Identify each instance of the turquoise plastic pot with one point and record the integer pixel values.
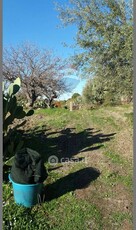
(26, 194)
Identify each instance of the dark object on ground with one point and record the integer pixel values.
(28, 167)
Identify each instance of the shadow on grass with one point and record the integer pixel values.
(77, 180)
(65, 143)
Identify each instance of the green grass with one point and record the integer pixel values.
(115, 158)
(111, 178)
(120, 217)
(130, 117)
(70, 210)
(102, 121)
(63, 213)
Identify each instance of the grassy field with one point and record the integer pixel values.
(91, 188)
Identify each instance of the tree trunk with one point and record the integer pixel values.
(31, 100)
(48, 102)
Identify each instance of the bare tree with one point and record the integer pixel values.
(40, 72)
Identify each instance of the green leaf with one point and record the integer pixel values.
(14, 87)
(8, 121)
(30, 112)
(20, 115)
(9, 161)
(19, 146)
(5, 108)
(11, 148)
(12, 104)
(17, 82)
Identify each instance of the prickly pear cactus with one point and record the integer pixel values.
(12, 111)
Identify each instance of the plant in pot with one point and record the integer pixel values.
(27, 176)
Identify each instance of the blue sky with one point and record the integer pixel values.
(36, 22)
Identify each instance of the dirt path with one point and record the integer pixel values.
(109, 192)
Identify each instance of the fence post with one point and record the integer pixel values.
(71, 105)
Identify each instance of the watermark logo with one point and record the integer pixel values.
(53, 160)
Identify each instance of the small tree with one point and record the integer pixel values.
(40, 72)
(75, 95)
